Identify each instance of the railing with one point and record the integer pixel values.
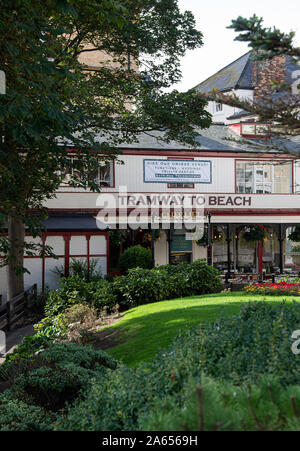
(14, 310)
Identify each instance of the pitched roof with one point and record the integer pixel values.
(217, 138)
(236, 75)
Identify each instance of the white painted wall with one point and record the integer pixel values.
(227, 111)
(161, 250)
(199, 251)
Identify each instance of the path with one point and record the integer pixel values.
(15, 337)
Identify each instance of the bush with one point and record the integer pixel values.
(80, 267)
(252, 349)
(257, 407)
(59, 375)
(135, 257)
(74, 290)
(16, 415)
(142, 286)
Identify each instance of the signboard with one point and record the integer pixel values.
(177, 171)
(180, 244)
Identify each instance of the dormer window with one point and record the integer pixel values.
(255, 130)
(218, 107)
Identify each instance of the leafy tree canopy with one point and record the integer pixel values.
(53, 102)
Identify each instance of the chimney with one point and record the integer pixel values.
(265, 72)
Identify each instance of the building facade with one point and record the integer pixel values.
(236, 178)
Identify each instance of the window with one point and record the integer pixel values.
(263, 177)
(181, 185)
(218, 107)
(255, 130)
(102, 175)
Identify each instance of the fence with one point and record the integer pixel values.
(14, 310)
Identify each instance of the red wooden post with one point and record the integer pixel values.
(67, 238)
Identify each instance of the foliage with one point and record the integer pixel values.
(16, 415)
(254, 233)
(295, 234)
(51, 103)
(27, 348)
(268, 41)
(135, 257)
(142, 286)
(82, 321)
(59, 375)
(248, 350)
(116, 237)
(80, 313)
(81, 268)
(219, 406)
(278, 103)
(74, 290)
(55, 328)
(280, 288)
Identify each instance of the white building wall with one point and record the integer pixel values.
(161, 250)
(227, 111)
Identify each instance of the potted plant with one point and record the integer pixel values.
(254, 233)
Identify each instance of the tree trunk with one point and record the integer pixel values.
(15, 275)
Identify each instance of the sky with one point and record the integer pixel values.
(219, 49)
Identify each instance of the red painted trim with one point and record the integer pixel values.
(205, 153)
(67, 238)
(260, 256)
(107, 252)
(44, 237)
(88, 237)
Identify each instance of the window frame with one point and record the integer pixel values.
(113, 181)
(263, 161)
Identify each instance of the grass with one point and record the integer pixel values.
(146, 329)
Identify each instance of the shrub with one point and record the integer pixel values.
(135, 257)
(80, 267)
(257, 407)
(74, 290)
(26, 349)
(81, 313)
(16, 415)
(59, 375)
(142, 286)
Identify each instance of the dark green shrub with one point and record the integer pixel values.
(58, 375)
(135, 257)
(257, 407)
(16, 415)
(143, 286)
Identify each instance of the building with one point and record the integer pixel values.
(238, 177)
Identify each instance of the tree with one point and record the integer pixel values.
(53, 102)
(282, 105)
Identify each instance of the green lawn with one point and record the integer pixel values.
(144, 330)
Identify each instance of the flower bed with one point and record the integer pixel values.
(280, 288)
